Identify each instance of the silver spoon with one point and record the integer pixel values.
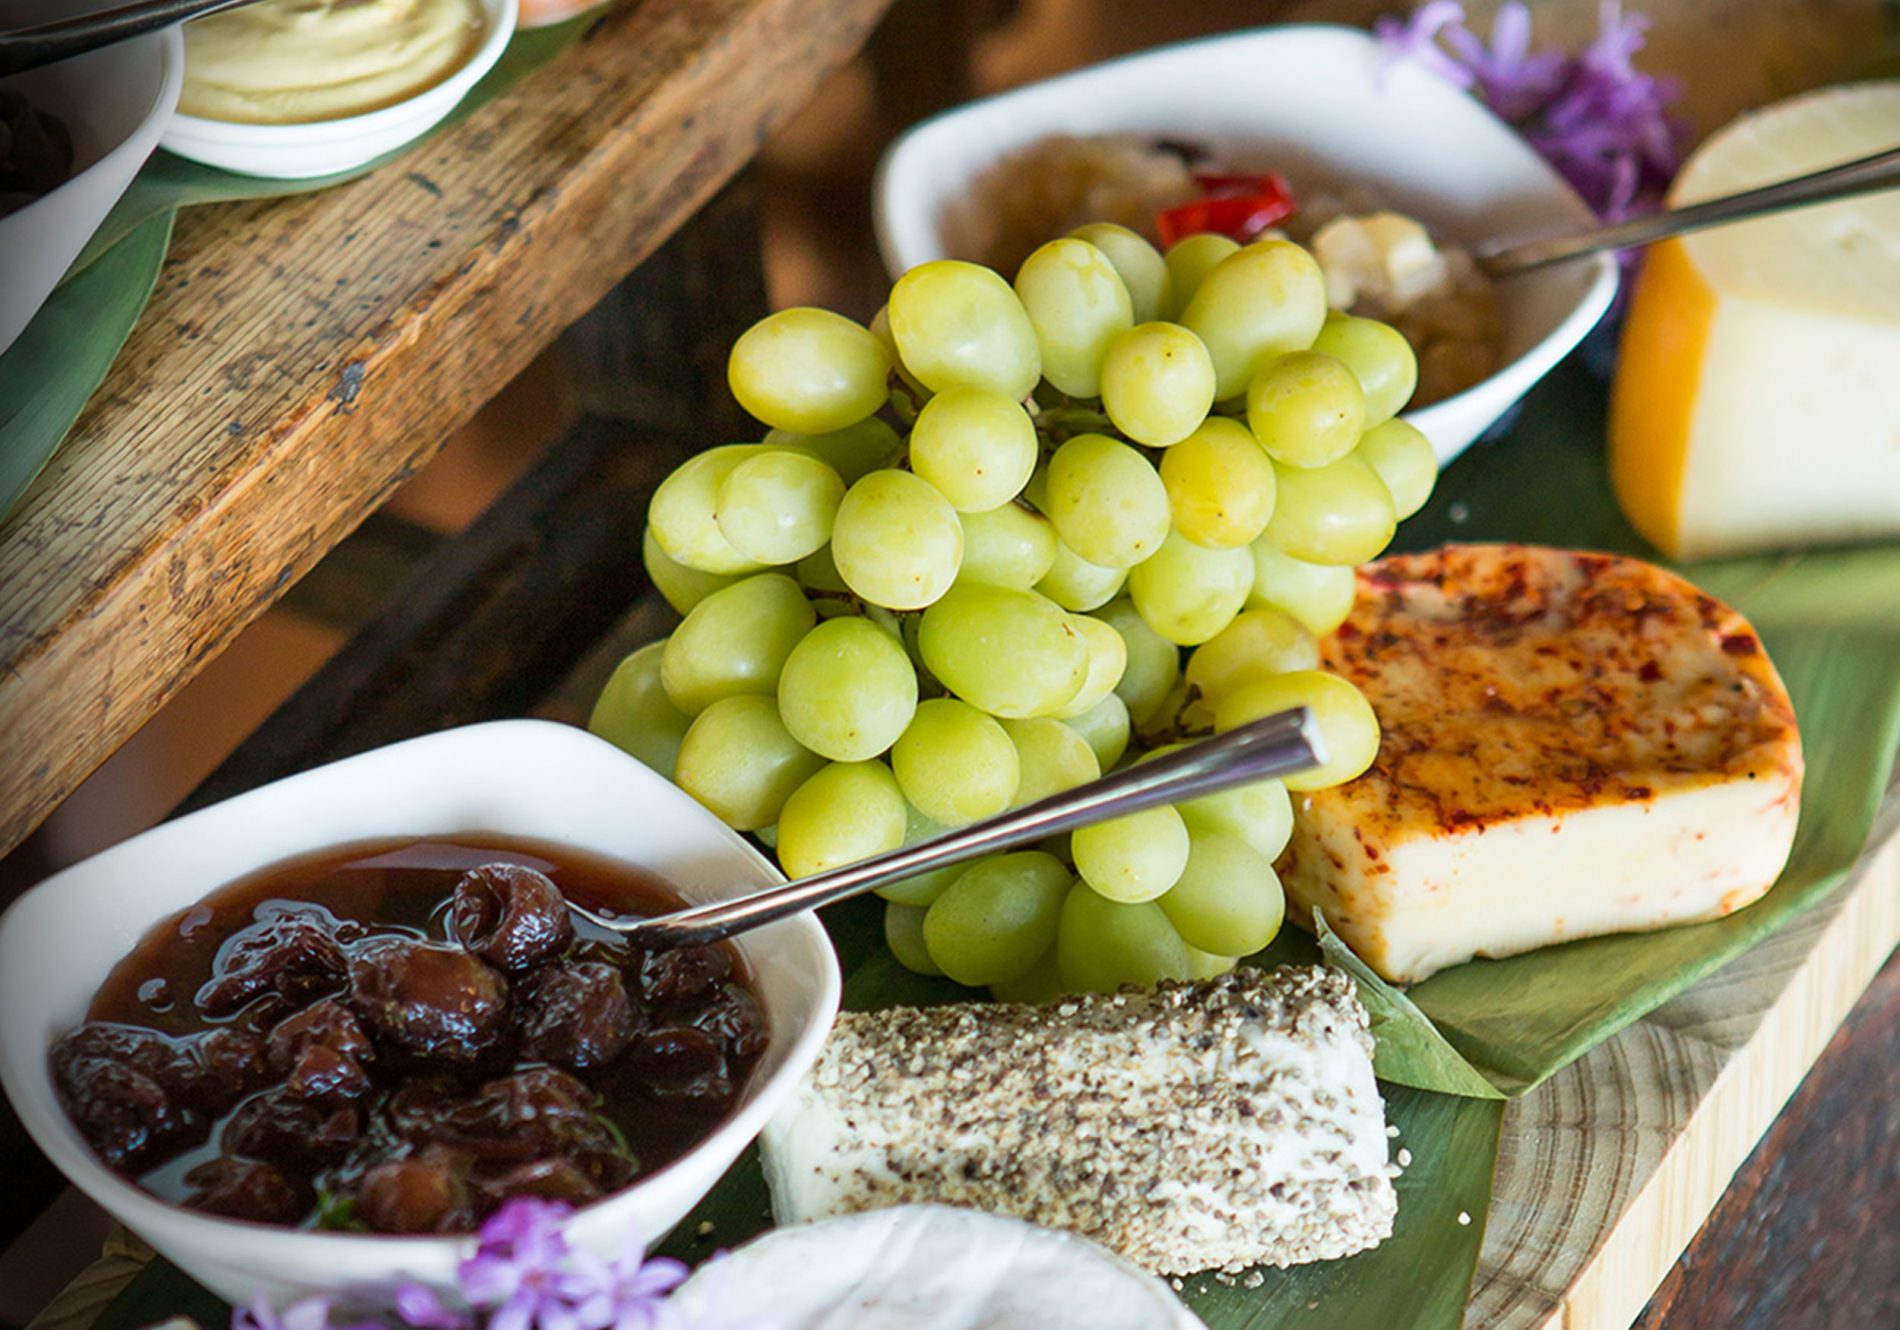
(1276, 745)
(63, 38)
(1866, 175)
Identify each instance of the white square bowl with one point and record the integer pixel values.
(1318, 104)
(115, 101)
(531, 779)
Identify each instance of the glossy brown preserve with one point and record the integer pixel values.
(399, 1035)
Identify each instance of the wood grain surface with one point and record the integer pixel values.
(1608, 1169)
(1807, 1237)
(302, 357)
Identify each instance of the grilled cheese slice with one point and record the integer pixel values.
(1572, 744)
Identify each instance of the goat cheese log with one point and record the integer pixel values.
(1212, 1125)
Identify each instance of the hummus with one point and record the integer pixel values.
(287, 62)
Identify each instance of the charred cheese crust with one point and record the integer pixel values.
(1521, 688)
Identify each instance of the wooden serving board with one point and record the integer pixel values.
(1608, 1169)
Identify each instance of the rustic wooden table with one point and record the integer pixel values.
(301, 358)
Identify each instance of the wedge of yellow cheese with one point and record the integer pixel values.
(1572, 744)
(1757, 396)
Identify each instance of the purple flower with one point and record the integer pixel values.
(1416, 39)
(626, 1293)
(308, 1314)
(419, 1306)
(516, 1273)
(1512, 80)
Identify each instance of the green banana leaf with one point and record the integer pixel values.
(61, 357)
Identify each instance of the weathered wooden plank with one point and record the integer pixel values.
(303, 357)
(1807, 1237)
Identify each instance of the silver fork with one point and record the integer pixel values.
(1276, 745)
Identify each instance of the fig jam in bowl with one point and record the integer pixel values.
(303, 1041)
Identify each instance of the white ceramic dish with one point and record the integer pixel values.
(1314, 103)
(325, 147)
(115, 102)
(520, 778)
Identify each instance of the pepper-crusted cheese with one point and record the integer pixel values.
(1572, 744)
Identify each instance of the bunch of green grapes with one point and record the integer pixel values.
(958, 573)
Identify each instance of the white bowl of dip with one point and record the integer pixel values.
(523, 779)
(1318, 104)
(275, 135)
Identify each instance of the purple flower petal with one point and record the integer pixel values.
(418, 1306)
(1415, 39)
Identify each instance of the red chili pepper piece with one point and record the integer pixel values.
(1240, 206)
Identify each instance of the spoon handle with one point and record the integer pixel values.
(1275, 745)
(63, 38)
(1865, 175)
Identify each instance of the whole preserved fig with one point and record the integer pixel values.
(423, 1193)
(327, 1024)
(575, 1015)
(291, 950)
(284, 1127)
(246, 1189)
(680, 976)
(512, 917)
(428, 1000)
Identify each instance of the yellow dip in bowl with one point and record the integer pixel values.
(286, 62)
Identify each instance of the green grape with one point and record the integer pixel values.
(777, 507)
(682, 587)
(1379, 357)
(1043, 983)
(1157, 383)
(1134, 857)
(927, 886)
(1105, 728)
(1306, 409)
(1264, 301)
(1012, 653)
(735, 641)
(1319, 595)
(633, 713)
(1007, 546)
(1189, 260)
(1051, 758)
(1143, 271)
(853, 452)
(1340, 513)
(958, 325)
(684, 513)
(977, 447)
(1102, 944)
(740, 761)
(1220, 485)
(1108, 657)
(999, 918)
(904, 935)
(881, 329)
(1206, 965)
(1187, 592)
(1348, 730)
(1154, 663)
(1228, 900)
(1106, 501)
(843, 813)
(847, 690)
(1405, 460)
(1256, 644)
(1076, 302)
(896, 541)
(808, 370)
(955, 764)
(1078, 585)
(818, 572)
(1260, 813)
